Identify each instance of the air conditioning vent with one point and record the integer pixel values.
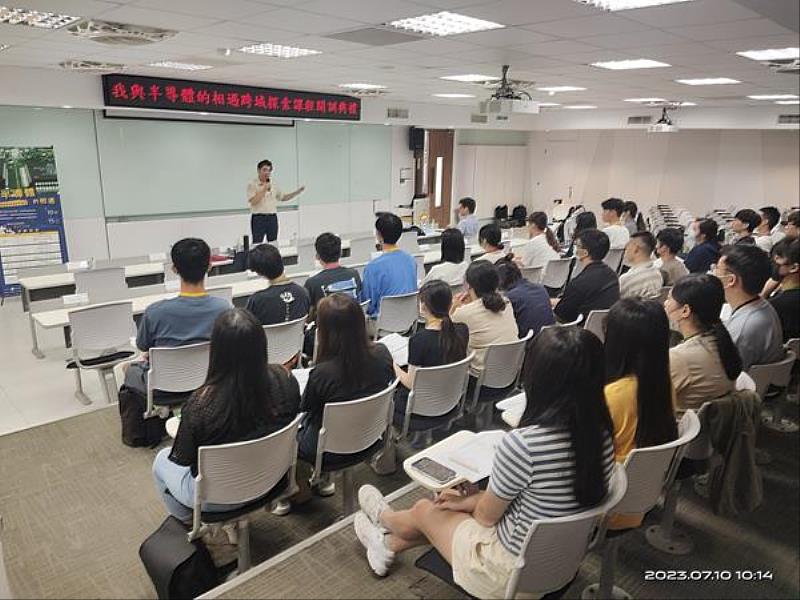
(642, 120)
(92, 66)
(789, 66)
(120, 34)
(476, 118)
(788, 119)
(368, 93)
(397, 113)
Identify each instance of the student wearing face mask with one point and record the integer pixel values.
(706, 364)
(786, 271)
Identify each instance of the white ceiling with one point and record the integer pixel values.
(548, 41)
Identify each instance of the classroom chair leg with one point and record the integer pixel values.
(243, 564)
(80, 395)
(348, 493)
(664, 536)
(606, 590)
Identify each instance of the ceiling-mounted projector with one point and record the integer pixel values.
(509, 98)
(664, 124)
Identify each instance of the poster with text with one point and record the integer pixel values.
(31, 223)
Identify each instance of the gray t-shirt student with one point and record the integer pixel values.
(174, 322)
(756, 330)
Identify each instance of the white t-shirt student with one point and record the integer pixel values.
(537, 252)
(449, 272)
(618, 236)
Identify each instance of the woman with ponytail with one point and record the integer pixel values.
(484, 311)
(441, 342)
(706, 364)
(543, 246)
(638, 388)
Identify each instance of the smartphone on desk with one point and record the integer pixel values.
(436, 471)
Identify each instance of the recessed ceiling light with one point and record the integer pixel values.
(645, 100)
(687, 103)
(33, 18)
(547, 104)
(362, 86)
(444, 23)
(787, 102)
(625, 65)
(580, 106)
(773, 97)
(170, 64)
(708, 81)
(471, 78)
(772, 54)
(613, 5)
(66, 106)
(561, 88)
(454, 95)
(277, 50)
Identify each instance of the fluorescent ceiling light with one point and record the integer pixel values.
(471, 78)
(362, 86)
(625, 65)
(276, 50)
(444, 23)
(454, 95)
(561, 88)
(580, 106)
(645, 100)
(33, 18)
(787, 102)
(169, 64)
(613, 5)
(547, 104)
(773, 97)
(708, 81)
(687, 103)
(772, 54)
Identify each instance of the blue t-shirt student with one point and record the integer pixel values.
(393, 272)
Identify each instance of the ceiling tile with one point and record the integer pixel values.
(555, 48)
(228, 10)
(302, 22)
(634, 39)
(509, 36)
(755, 43)
(699, 12)
(365, 11)
(244, 32)
(155, 18)
(76, 8)
(523, 12)
(603, 24)
(729, 31)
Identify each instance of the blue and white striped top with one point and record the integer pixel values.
(534, 468)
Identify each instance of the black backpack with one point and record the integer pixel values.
(177, 567)
(519, 215)
(136, 430)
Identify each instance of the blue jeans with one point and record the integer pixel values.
(175, 485)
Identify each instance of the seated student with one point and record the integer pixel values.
(754, 325)
(393, 272)
(668, 244)
(584, 220)
(484, 311)
(639, 391)
(468, 222)
(441, 342)
(348, 366)
(283, 300)
(706, 250)
(543, 246)
(558, 462)
(743, 225)
(530, 301)
(786, 270)
(453, 266)
(243, 398)
(187, 319)
(792, 232)
(768, 233)
(631, 218)
(594, 288)
(643, 279)
(333, 277)
(490, 239)
(618, 234)
(706, 364)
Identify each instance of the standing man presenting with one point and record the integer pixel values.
(263, 196)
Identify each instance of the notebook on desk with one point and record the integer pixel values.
(473, 459)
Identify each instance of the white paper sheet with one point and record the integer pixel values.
(473, 459)
(302, 378)
(398, 347)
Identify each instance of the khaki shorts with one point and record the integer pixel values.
(481, 564)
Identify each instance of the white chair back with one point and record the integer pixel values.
(224, 292)
(614, 258)
(577, 269)
(361, 248)
(398, 314)
(419, 259)
(793, 345)
(102, 285)
(353, 426)
(532, 274)
(179, 368)
(502, 362)
(554, 548)
(778, 374)
(408, 242)
(649, 469)
(519, 233)
(556, 272)
(596, 323)
(284, 340)
(306, 254)
(96, 329)
(245, 471)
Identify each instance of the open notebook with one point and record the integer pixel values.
(473, 459)
(398, 347)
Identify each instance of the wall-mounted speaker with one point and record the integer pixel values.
(416, 138)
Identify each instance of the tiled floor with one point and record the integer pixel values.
(35, 391)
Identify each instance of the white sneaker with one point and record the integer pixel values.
(372, 503)
(326, 487)
(380, 558)
(281, 508)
